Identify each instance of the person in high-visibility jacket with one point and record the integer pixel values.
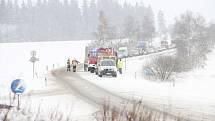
(120, 65)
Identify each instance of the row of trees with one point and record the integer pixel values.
(194, 39)
(66, 20)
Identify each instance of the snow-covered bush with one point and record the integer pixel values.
(28, 115)
(161, 68)
(131, 111)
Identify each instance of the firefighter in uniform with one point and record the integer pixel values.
(74, 64)
(68, 65)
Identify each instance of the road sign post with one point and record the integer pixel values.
(33, 59)
(18, 87)
(33, 68)
(18, 107)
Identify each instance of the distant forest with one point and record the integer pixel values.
(55, 20)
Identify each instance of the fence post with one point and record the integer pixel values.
(173, 82)
(10, 99)
(47, 68)
(46, 82)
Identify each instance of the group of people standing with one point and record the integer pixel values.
(72, 63)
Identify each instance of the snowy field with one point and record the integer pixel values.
(14, 59)
(14, 63)
(193, 92)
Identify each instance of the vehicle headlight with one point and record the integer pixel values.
(101, 68)
(115, 69)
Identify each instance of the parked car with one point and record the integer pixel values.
(133, 52)
(164, 44)
(150, 50)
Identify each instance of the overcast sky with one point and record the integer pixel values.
(173, 8)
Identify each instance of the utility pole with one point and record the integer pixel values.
(33, 68)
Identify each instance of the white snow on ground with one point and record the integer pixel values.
(52, 106)
(14, 63)
(14, 60)
(193, 92)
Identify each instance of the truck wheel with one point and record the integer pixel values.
(89, 69)
(100, 75)
(92, 70)
(85, 67)
(114, 75)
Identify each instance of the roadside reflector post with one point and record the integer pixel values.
(47, 68)
(135, 75)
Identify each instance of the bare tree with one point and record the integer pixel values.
(189, 34)
(162, 29)
(211, 35)
(148, 27)
(162, 67)
(130, 27)
(103, 33)
(130, 111)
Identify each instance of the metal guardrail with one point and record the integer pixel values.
(158, 51)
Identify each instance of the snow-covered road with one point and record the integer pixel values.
(94, 94)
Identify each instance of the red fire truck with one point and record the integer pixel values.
(94, 55)
(108, 54)
(90, 59)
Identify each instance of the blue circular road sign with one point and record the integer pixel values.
(17, 86)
